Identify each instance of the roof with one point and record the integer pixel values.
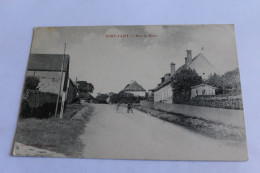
(134, 86)
(164, 83)
(48, 62)
(202, 85)
(74, 84)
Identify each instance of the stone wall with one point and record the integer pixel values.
(224, 102)
(226, 116)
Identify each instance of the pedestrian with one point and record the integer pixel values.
(117, 106)
(129, 108)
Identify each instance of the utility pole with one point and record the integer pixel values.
(61, 78)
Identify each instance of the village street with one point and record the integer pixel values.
(119, 135)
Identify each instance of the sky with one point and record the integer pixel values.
(111, 63)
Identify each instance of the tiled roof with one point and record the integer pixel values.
(48, 62)
(134, 86)
(166, 82)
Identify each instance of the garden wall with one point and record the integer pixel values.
(230, 102)
(226, 116)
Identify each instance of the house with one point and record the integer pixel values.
(199, 63)
(202, 89)
(47, 67)
(53, 73)
(163, 92)
(135, 88)
(73, 92)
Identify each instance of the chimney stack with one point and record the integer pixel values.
(172, 68)
(162, 79)
(189, 58)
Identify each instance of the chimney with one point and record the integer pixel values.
(163, 79)
(166, 76)
(172, 68)
(189, 58)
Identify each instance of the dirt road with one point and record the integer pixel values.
(119, 135)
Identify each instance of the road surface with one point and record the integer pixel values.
(119, 135)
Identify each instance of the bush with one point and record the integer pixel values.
(31, 83)
(38, 105)
(47, 110)
(182, 83)
(101, 98)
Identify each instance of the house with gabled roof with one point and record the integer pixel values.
(52, 70)
(134, 88)
(163, 92)
(48, 68)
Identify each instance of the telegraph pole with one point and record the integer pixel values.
(57, 103)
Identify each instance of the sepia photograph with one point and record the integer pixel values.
(155, 92)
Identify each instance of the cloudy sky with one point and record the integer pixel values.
(111, 63)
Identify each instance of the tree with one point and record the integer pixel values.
(225, 83)
(214, 80)
(85, 87)
(102, 98)
(183, 81)
(31, 83)
(231, 79)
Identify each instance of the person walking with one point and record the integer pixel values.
(117, 106)
(129, 108)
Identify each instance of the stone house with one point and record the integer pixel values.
(52, 70)
(134, 88)
(163, 92)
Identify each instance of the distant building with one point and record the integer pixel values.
(163, 92)
(202, 89)
(73, 92)
(135, 88)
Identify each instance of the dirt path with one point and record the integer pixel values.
(118, 135)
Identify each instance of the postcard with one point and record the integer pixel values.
(133, 92)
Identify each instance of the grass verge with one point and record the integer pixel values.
(208, 128)
(53, 134)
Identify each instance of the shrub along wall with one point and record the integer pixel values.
(222, 101)
(38, 104)
(230, 102)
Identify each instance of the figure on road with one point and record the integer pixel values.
(129, 108)
(117, 106)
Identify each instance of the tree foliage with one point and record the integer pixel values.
(101, 98)
(85, 87)
(184, 80)
(31, 83)
(229, 81)
(124, 97)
